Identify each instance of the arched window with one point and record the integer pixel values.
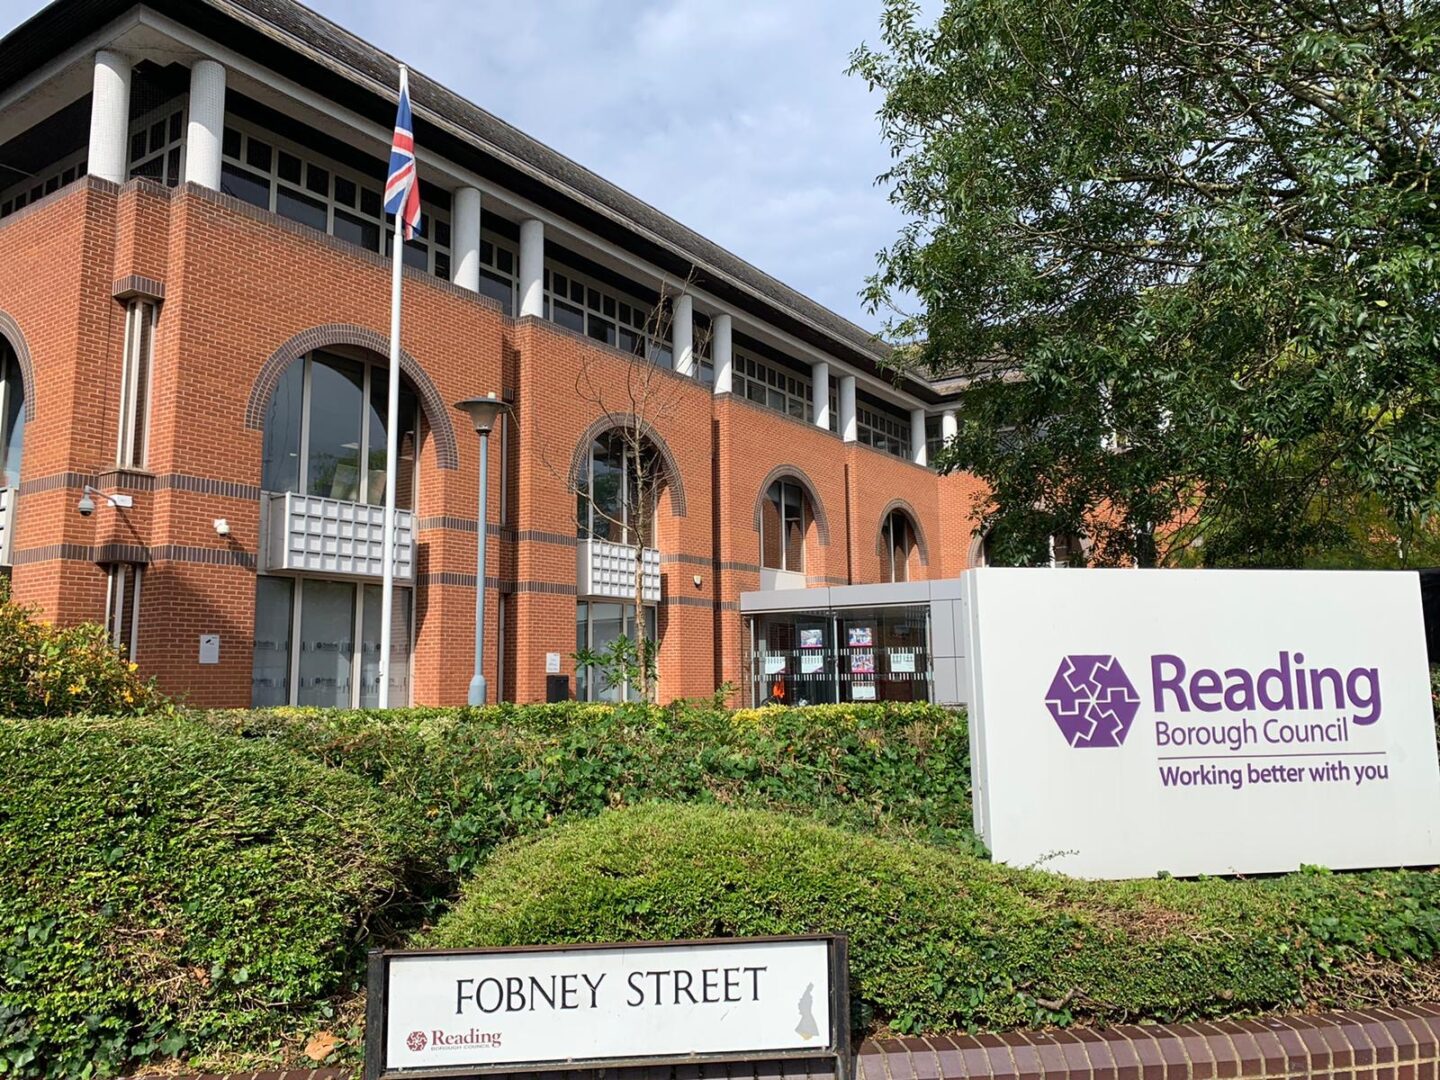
(325, 431)
(1062, 550)
(618, 490)
(899, 535)
(12, 416)
(317, 641)
(785, 519)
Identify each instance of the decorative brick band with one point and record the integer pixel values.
(909, 511)
(689, 560)
(10, 331)
(793, 472)
(1376, 1044)
(690, 601)
(318, 337)
(136, 553)
(579, 461)
(133, 480)
(138, 286)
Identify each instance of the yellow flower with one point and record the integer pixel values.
(76, 688)
(134, 666)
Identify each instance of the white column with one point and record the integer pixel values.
(820, 393)
(532, 268)
(918, 452)
(206, 129)
(722, 349)
(682, 334)
(110, 117)
(465, 239)
(949, 425)
(849, 432)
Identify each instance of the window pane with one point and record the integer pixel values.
(288, 167)
(301, 208)
(257, 154)
(601, 330)
(345, 191)
(245, 186)
(280, 455)
(582, 627)
(770, 529)
(607, 481)
(416, 255)
(318, 180)
(605, 627)
(378, 414)
(357, 230)
(336, 402)
(230, 143)
(327, 619)
(572, 318)
(794, 528)
(370, 649)
(500, 289)
(270, 668)
(12, 423)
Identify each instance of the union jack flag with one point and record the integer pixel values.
(402, 189)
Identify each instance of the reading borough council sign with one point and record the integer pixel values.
(464, 1012)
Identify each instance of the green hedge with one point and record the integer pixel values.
(941, 940)
(483, 776)
(164, 886)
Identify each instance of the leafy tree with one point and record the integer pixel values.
(1182, 257)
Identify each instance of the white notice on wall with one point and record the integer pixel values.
(774, 665)
(1127, 722)
(552, 663)
(588, 1004)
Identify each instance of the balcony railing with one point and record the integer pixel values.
(608, 570)
(8, 499)
(780, 579)
(309, 534)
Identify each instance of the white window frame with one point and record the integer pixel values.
(883, 431)
(66, 171)
(434, 222)
(587, 531)
(911, 539)
(172, 119)
(793, 389)
(595, 677)
(593, 303)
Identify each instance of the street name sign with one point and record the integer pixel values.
(1129, 722)
(465, 1012)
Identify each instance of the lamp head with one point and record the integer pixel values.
(482, 411)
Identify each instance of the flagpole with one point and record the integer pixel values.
(392, 452)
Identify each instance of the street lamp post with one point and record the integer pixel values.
(483, 412)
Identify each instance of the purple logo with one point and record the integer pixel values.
(1092, 701)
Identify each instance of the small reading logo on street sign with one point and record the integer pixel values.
(1092, 701)
(416, 1041)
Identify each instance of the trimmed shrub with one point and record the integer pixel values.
(48, 670)
(165, 887)
(941, 940)
(487, 775)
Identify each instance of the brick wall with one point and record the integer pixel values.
(241, 293)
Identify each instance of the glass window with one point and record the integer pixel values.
(301, 208)
(333, 616)
(270, 663)
(327, 614)
(122, 607)
(370, 647)
(280, 453)
(883, 430)
(609, 500)
(332, 465)
(335, 408)
(12, 416)
(357, 230)
(899, 539)
(597, 625)
(785, 520)
(135, 383)
(245, 186)
(156, 155)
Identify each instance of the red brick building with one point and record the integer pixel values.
(194, 308)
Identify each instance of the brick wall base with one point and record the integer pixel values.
(1374, 1044)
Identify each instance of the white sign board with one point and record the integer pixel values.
(1127, 722)
(536, 1008)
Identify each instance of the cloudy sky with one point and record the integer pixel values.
(734, 116)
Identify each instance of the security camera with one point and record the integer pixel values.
(86, 505)
(222, 527)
